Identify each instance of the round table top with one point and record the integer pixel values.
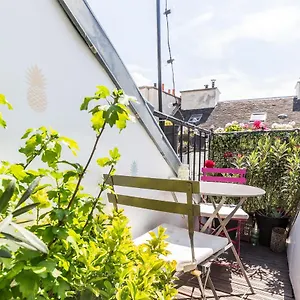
(229, 189)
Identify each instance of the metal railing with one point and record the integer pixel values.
(191, 143)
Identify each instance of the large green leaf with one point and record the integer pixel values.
(24, 209)
(4, 254)
(3, 101)
(30, 238)
(5, 223)
(29, 191)
(6, 196)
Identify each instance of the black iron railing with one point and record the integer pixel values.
(191, 143)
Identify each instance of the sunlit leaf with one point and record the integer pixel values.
(7, 195)
(29, 191)
(102, 91)
(98, 120)
(102, 162)
(24, 209)
(31, 238)
(3, 101)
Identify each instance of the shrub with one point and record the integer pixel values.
(91, 255)
(272, 160)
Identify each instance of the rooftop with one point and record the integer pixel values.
(241, 110)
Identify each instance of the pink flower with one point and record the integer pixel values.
(257, 124)
(246, 126)
(240, 155)
(228, 154)
(209, 163)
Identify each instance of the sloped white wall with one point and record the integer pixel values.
(38, 33)
(294, 257)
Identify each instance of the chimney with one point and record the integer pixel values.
(213, 83)
(173, 92)
(169, 91)
(163, 86)
(206, 86)
(155, 85)
(297, 87)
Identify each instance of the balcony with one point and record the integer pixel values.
(268, 272)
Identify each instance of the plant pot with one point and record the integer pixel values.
(278, 239)
(266, 224)
(172, 135)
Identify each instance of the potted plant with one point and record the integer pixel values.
(273, 166)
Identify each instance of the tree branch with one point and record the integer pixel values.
(97, 199)
(85, 168)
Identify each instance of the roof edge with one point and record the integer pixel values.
(85, 22)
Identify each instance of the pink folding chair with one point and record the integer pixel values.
(226, 175)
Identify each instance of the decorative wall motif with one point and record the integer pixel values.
(134, 169)
(36, 93)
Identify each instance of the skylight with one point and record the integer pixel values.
(260, 116)
(195, 118)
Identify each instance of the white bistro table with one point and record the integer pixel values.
(225, 190)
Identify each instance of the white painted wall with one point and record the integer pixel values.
(151, 94)
(196, 99)
(294, 257)
(39, 33)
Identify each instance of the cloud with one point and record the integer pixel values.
(237, 85)
(189, 26)
(276, 25)
(138, 74)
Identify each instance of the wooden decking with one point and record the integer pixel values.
(268, 272)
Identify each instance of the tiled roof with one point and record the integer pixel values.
(241, 110)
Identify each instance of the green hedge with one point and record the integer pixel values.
(272, 160)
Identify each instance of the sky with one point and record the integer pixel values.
(251, 47)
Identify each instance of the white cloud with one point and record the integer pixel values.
(237, 85)
(276, 25)
(189, 26)
(138, 74)
(140, 79)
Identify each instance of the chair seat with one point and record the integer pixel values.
(207, 209)
(179, 245)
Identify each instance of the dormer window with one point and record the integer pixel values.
(195, 118)
(260, 116)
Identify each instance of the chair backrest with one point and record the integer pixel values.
(241, 179)
(171, 185)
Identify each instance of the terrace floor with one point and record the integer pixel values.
(268, 273)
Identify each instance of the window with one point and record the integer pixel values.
(258, 117)
(195, 118)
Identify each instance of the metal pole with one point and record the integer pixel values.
(159, 61)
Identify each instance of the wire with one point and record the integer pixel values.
(171, 59)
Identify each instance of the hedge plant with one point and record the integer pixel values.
(272, 160)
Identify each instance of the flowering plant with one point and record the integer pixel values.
(289, 125)
(209, 163)
(236, 126)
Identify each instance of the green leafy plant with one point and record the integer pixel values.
(3, 101)
(91, 254)
(272, 162)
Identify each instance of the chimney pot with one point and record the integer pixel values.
(213, 82)
(163, 86)
(169, 91)
(155, 84)
(206, 86)
(173, 92)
